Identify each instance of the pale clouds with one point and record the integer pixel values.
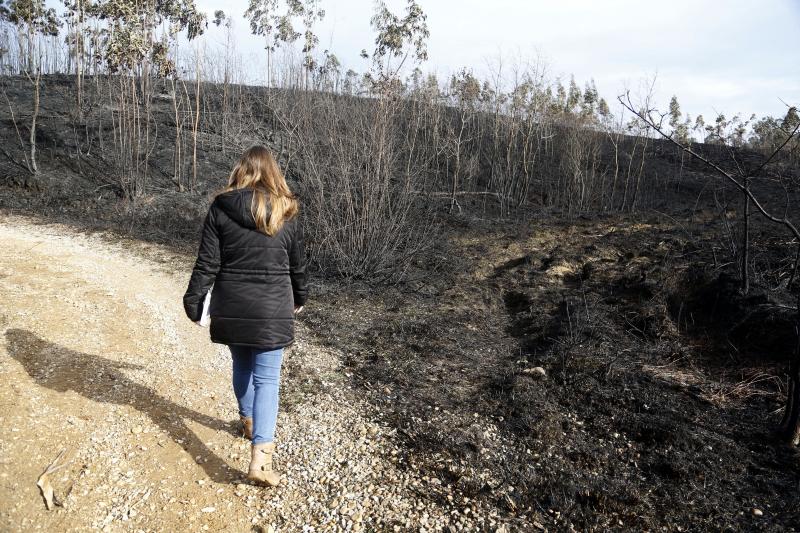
(732, 56)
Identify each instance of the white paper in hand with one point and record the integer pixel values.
(205, 320)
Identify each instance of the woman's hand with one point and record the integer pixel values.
(298, 309)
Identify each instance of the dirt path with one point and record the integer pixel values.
(97, 359)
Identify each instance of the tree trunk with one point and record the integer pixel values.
(790, 425)
(36, 88)
(269, 66)
(639, 174)
(746, 241)
(79, 60)
(178, 156)
(196, 124)
(453, 201)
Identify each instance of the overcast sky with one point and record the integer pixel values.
(716, 56)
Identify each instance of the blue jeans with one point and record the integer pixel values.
(256, 380)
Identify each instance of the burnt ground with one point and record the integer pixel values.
(662, 385)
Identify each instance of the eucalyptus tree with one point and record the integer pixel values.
(640, 131)
(766, 133)
(738, 129)
(613, 127)
(34, 20)
(680, 129)
(274, 20)
(464, 92)
(355, 155)
(589, 101)
(730, 134)
(329, 72)
(398, 38)
(573, 97)
(559, 101)
(422, 128)
(262, 14)
(76, 14)
(603, 110)
(134, 53)
(223, 20)
(5, 42)
(310, 12)
(535, 129)
(790, 120)
(351, 85)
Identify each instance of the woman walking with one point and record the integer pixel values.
(251, 251)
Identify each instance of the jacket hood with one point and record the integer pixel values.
(236, 204)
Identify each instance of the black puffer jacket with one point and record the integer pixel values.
(257, 279)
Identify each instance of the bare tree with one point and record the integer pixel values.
(76, 16)
(35, 21)
(135, 54)
(310, 12)
(790, 425)
(464, 91)
(398, 38)
(273, 20)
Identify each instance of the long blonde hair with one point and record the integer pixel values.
(258, 170)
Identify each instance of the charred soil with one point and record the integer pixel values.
(599, 373)
(595, 372)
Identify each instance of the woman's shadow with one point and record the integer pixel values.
(103, 380)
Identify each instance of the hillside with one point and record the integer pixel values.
(534, 370)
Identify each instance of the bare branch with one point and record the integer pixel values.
(657, 127)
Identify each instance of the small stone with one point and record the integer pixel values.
(536, 372)
(757, 512)
(136, 430)
(208, 509)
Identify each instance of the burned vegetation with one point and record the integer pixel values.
(601, 373)
(583, 318)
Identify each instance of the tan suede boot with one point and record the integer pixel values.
(261, 465)
(247, 427)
